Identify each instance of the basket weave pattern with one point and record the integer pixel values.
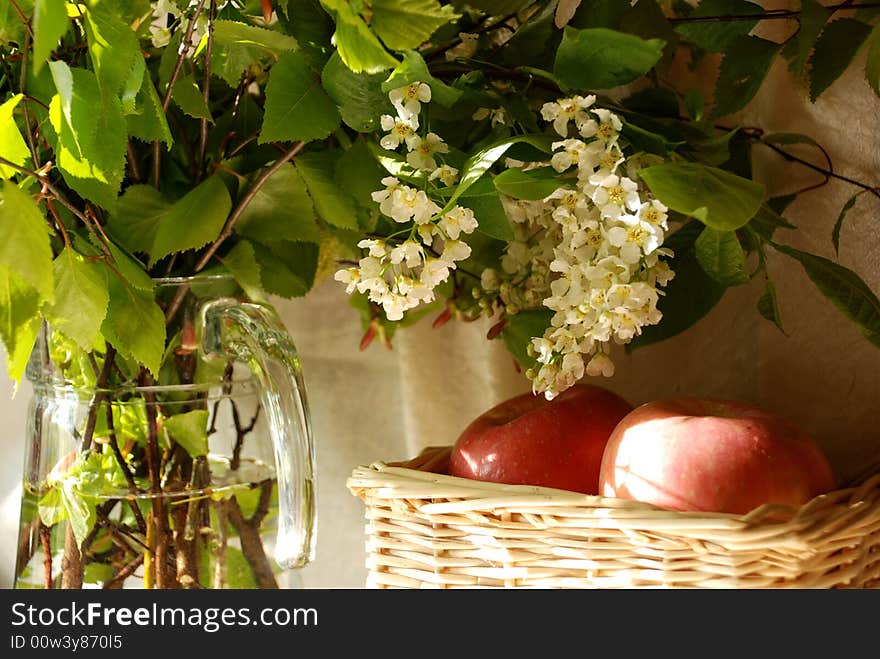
(428, 530)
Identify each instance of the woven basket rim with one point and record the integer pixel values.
(397, 482)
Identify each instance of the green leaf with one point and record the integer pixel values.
(135, 325)
(193, 221)
(767, 306)
(239, 573)
(480, 162)
(645, 140)
(145, 222)
(721, 256)
(115, 55)
(80, 512)
(495, 7)
(872, 62)
(332, 204)
(25, 245)
(780, 203)
(242, 263)
(844, 288)
(717, 198)
(287, 269)
(12, 145)
(717, 36)
(189, 98)
(713, 151)
(281, 210)
(190, 430)
(134, 221)
(92, 138)
(51, 507)
(535, 41)
(359, 96)
(312, 27)
(811, 20)
(533, 184)
(519, 330)
(688, 297)
(98, 573)
(297, 107)
(12, 28)
(766, 221)
(148, 123)
(81, 298)
(131, 270)
(19, 320)
(358, 173)
(599, 58)
(49, 25)
(743, 69)
(836, 47)
(413, 69)
(238, 46)
(835, 233)
(404, 24)
(792, 138)
(482, 198)
(355, 42)
(598, 13)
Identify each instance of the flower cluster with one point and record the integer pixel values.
(167, 13)
(400, 274)
(608, 263)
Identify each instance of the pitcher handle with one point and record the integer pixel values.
(254, 334)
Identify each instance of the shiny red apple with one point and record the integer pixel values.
(528, 440)
(712, 455)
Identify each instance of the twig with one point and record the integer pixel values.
(41, 176)
(206, 91)
(770, 14)
(71, 562)
(22, 83)
(132, 486)
(98, 398)
(133, 164)
(185, 44)
(249, 535)
(174, 306)
(46, 538)
(241, 432)
(24, 19)
(125, 572)
(483, 29)
(874, 190)
(219, 577)
(157, 529)
(59, 225)
(245, 201)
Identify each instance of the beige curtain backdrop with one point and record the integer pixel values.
(384, 405)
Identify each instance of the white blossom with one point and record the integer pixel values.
(600, 364)
(566, 110)
(457, 221)
(409, 98)
(614, 194)
(447, 174)
(401, 131)
(606, 129)
(498, 116)
(422, 150)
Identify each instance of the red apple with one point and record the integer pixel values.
(712, 455)
(528, 440)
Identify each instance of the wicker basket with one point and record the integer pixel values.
(430, 530)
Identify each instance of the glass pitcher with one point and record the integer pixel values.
(200, 476)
